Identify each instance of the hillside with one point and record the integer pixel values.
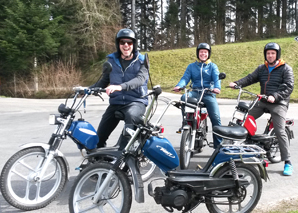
(236, 60)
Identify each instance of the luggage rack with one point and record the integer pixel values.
(243, 150)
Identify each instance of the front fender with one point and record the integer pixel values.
(46, 148)
(137, 179)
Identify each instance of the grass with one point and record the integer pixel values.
(236, 60)
(289, 205)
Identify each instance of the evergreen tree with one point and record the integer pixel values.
(29, 33)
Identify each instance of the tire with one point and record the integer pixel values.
(274, 155)
(87, 183)
(185, 149)
(146, 167)
(19, 188)
(251, 192)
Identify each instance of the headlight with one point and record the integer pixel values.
(53, 119)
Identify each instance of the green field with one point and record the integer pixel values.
(236, 60)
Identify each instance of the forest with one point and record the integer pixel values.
(51, 43)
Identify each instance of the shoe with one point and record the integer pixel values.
(179, 131)
(288, 170)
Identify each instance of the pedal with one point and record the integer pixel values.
(210, 144)
(178, 132)
(199, 167)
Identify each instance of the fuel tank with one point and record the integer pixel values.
(160, 151)
(84, 134)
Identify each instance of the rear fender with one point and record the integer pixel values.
(46, 148)
(262, 169)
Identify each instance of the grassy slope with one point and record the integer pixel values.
(236, 60)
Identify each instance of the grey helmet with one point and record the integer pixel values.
(272, 46)
(204, 46)
(126, 33)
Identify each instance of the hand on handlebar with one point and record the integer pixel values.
(177, 89)
(113, 88)
(271, 99)
(233, 85)
(216, 90)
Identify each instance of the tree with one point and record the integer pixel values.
(29, 33)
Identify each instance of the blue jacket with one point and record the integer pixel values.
(133, 80)
(201, 75)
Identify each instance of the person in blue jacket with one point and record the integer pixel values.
(125, 84)
(204, 74)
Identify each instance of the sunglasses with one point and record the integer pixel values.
(123, 42)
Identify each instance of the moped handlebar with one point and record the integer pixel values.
(258, 96)
(88, 90)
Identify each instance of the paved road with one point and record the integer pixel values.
(26, 120)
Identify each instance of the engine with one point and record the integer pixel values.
(176, 198)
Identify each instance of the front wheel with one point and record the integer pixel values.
(117, 197)
(185, 149)
(248, 197)
(21, 185)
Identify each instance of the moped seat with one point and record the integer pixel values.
(244, 106)
(194, 101)
(262, 137)
(230, 132)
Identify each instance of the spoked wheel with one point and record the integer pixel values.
(185, 149)
(20, 183)
(117, 197)
(248, 196)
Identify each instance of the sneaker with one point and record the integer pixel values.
(288, 170)
(179, 130)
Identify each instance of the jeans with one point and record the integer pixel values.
(132, 112)
(213, 111)
(278, 113)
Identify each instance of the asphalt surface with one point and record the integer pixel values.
(26, 121)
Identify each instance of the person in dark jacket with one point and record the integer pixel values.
(277, 82)
(126, 84)
(204, 74)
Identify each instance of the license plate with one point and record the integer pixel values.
(239, 115)
(189, 110)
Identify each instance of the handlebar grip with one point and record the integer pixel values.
(98, 89)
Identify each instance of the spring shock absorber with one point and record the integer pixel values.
(234, 172)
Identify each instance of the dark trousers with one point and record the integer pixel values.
(132, 113)
(278, 113)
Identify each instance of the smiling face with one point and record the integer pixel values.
(126, 47)
(203, 55)
(271, 56)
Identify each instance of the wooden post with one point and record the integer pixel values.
(35, 76)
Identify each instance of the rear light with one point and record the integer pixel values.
(265, 163)
(162, 129)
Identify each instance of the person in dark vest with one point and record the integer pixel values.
(277, 82)
(125, 84)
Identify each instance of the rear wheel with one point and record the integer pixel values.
(185, 149)
(274, 155)
(248, 196)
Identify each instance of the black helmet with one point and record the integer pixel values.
(126, 33)
(272, 46)
(204, 46)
